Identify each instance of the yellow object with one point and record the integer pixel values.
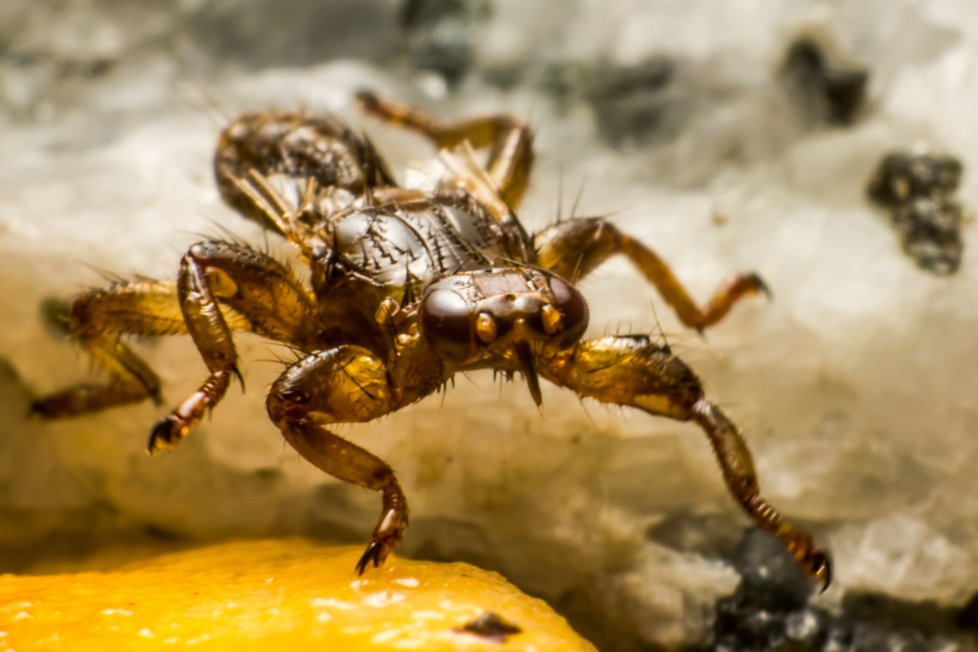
(276, 595)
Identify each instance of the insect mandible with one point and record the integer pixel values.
(407, 286)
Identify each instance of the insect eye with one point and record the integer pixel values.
(446, 322)
(571, 306)
(485, 328)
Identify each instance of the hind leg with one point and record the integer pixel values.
(96, 320)
(510, 141)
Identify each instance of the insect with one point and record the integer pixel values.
(407, 286)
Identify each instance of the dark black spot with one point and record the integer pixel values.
(967, 617)
(491, 627)
(827, 89)
(917, 188)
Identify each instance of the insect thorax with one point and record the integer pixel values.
(402, 247)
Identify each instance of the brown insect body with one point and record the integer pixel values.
(408, 286)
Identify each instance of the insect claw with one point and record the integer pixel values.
(820, 564)
(492, 296)
(237, 374)
(167, 432)
(366, 100)
(35, 410)
(373, 552)
(762, 287)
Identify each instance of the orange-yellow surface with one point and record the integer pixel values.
(272, 595)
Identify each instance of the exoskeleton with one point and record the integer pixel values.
(408, 286)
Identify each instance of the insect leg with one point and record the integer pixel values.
(510, 141)
(342, 385)
(259, 290)
(96, 320)
(573, 248)
(288, 171)
(631, 370)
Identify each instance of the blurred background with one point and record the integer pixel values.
(729, 137)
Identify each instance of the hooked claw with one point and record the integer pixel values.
(375, 552)
(386, 535)
(166, 434)
(760, 286)
(237, 374)
(816, 562)
(819, 567)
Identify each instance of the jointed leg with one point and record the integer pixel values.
(257, 195)
(573, 248)
(510, 141)
(287, 170)
(738, 472)
(96, 320)
(217, 279)
(344, 384)
(633, 371)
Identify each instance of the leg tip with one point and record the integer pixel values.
(819, 568)
(762, 287)
(166, 434)
(366, 100)
(36, 410)
(375, 552)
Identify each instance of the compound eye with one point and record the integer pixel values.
(571, 305)
(446, 322)
(485, 328)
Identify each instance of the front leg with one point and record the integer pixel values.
(631, 370)
(342, 385)
(260, 291)
(573, 248)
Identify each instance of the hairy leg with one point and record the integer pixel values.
(260, 291)
(510, 141)
(573, 248)
(633, 371)
(342, 385)
(96, 320)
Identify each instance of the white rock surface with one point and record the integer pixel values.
(855, 386)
